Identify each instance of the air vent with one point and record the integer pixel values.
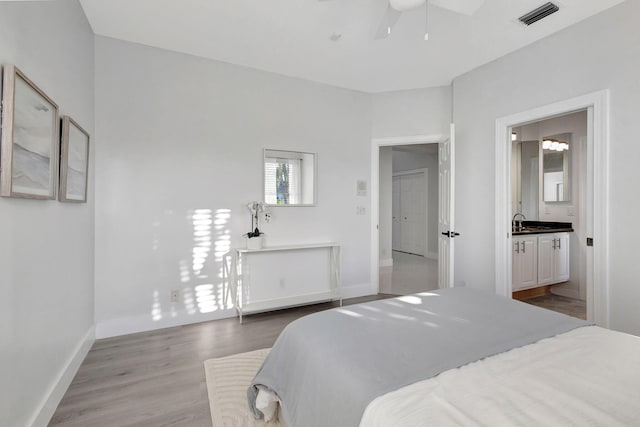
(539, 13)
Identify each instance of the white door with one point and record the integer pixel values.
(395, 214)
(417, 213)
(409, 216)
(406, 231)
(446, 172)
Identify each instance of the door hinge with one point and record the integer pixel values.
(589, 241)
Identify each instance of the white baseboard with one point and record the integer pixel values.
(354, 291)
(386, 262)
(144, 322)
(57, 390)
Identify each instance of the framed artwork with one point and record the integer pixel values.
(74, 162)
(30, 139)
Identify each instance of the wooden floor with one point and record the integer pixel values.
(569, 306)
(157, 378)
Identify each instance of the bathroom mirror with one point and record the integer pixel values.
(555, 168)
(525, 179)
(289, 178)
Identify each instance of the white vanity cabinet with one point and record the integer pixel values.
(540, 260)
(553, 258)
(525, 262)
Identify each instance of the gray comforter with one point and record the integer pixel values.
(328, 366)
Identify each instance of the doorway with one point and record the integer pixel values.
(410, 250)
(548, 189)
(596, 219)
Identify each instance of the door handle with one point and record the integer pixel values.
(450, 234)
(517, 247)
(559, 245)
(524, 250)
(554, 244)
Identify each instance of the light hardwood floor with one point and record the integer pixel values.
(569, 306)
(409, 274)
(157, 378)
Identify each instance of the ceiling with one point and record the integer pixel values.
(293, 37)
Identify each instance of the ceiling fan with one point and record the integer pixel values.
(395, 8)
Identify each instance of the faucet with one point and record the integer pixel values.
(517, 224)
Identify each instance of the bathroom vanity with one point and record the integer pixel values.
(540, 254)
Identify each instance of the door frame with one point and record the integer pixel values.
(597, 106)
(376, 143)
(425, 172)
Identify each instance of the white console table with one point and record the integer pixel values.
(288, 280)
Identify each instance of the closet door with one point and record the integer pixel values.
(409, 213)
(415, 216)
(395, 214)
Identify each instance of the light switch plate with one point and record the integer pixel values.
(361, 187)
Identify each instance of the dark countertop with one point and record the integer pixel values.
(543, 227)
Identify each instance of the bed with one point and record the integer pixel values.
(449, 357)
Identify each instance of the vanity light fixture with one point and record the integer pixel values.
(554, 145)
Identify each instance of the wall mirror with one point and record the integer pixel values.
(525, 179)
(289, 178)
(555, 168)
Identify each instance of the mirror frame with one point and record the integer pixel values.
(315, 178)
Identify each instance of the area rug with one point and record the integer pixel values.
(227, 381)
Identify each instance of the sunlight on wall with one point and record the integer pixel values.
(156, 309)
(201, 289)
(205, 298)
(189, 300)
(201, 238)
(222, 245)
(209, 229)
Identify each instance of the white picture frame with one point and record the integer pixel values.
(29, 144)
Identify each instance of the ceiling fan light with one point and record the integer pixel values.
(404, 5)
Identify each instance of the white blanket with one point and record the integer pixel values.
(586, 377)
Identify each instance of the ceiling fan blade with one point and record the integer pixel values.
(388, 21)
(465, 7)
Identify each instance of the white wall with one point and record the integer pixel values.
(411, 160)
(180, 135)
(411, 112)
(46, 247)
(599, 53)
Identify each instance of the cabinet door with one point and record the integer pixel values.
(561, 273)
(525, 257)
(546, 258)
